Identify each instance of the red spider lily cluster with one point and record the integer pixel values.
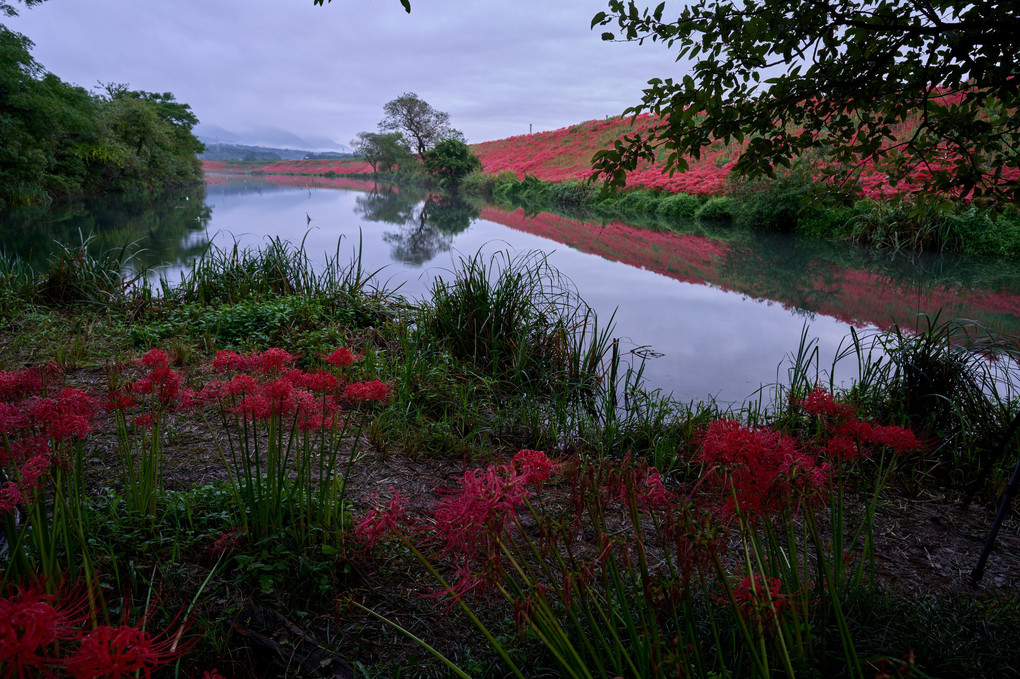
(759, 599)
(265, 384)
(45, 635)
(37, 431)
(759, 473)
(472, 520)
(846, 437)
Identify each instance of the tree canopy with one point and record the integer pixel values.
(927, 90)
(450, 161)
(60, 139)
(382, 150)
(423, 125)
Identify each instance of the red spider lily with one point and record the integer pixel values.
(10, 499)
(855, 430)
(320, 382)
(68, 415)
(32, 626)
(145, 421)
(272, 361)
(653, 494)
(20, 384)
(534, 464)
(119, 651)
(230, 360)
(758, 596)
(241, 384)
(367, 391)
(472, 520)
(843, 448)
(760, 472)
(899, 439)
(24, 449)
(278, 390)
(381, 521)
(12, 418)
(341, 358)
(155, 358)
(226, 541)
(821, 403)
(254, 407)
(118, 400)
(33, 470)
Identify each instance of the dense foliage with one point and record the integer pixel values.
(925, 90)
(382, 150)
(422, 124)
(60, 140)
(450, 161)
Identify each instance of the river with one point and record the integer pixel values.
(717, 309)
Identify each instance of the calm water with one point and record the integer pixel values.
(721, 307)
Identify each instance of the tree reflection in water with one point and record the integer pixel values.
(428, 221)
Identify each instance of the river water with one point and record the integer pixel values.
(718, 309)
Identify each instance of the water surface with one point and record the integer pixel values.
(720, 307)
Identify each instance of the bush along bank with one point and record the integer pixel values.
(262, 442)
(789, 203)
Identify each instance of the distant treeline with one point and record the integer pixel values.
(59, 140)
(246, 153)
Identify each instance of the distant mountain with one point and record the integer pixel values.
(219, 151)
(267, 137)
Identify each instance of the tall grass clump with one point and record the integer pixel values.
(519, 319)
(17, 282)
(76, 275)
(952, 381)
(233, 275)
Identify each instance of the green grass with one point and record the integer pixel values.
(504, 355)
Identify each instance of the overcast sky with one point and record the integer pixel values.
(495, 65)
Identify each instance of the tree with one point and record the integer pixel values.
(450, 161)
(405, 3)
(423, 125)
(7, 9)
(925, 89)
(382, 150)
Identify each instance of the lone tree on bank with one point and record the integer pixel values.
(421, 124)
(381, 150)
(927, 90)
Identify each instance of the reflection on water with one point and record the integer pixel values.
(723, 306)
(168, 229)
(428, 222)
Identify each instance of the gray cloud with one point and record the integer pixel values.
(245, 64)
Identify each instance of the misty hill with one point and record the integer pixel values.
(268, 137)
(227, 151)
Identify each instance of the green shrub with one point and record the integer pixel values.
(637, 201)
(718, 209)
(981, 234)
(679, 205)
(573, 192)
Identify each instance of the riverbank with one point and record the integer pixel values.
(255, 357)
(791, 203)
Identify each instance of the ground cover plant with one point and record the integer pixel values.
(205, 502)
